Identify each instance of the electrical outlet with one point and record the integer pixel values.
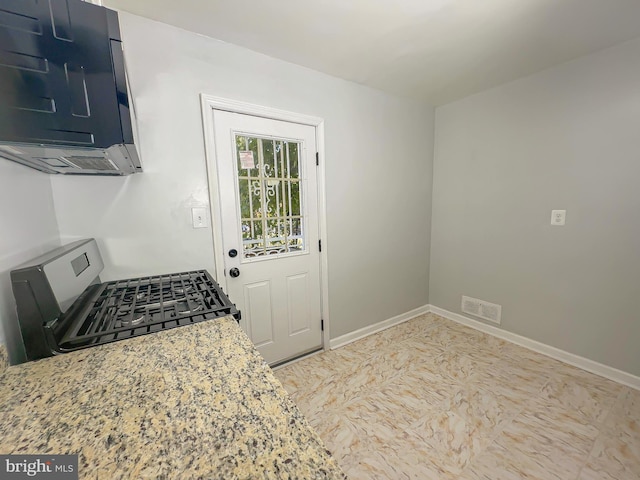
(199, 217)
(558, 217)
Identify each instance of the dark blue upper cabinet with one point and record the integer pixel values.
(62, 83)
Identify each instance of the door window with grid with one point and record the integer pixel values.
(270, 196)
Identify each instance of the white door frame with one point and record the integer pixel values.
(211, 103)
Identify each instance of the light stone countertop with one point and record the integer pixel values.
(192, 402)
(4, 358)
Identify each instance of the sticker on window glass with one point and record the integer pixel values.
(246, 159)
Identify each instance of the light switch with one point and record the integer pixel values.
(199, 217)
(558, 217)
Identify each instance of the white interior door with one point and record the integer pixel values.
(268, 186)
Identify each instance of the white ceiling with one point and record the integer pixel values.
(433, 50)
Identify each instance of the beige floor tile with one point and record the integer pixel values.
(631, 402)
(385, 409)
(614, 456)
(374, 418)
(328, 394)
(502, 462)
(624, 417)
(551, 427)
(304, 373)
(486, 410)
(349, 355)
(447, 335)
(628, 404)
(453, 439)
(513, 380)
(351, 466)
(371, 344)
(589, 473)
(412, 328)
(617, 424)
(423, 350)
(472, 342)
(405, 457)
(415, 394)
(460, 365)
(536, 446)
(603, 386)
(432, 399)
(588, 400)
(340, 436)
(390, 363)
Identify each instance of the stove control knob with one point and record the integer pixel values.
(234, 272)
(233, 253)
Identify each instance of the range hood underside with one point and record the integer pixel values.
(116, 160)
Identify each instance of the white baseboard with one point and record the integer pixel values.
(553, 352)
(347, 338)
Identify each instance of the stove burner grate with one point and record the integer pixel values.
(128, 308)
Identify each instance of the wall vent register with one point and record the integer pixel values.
(479, 308)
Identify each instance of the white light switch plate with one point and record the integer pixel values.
(199, 217)
(558, 217)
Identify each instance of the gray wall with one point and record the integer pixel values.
(567, 138)
(379, 152)
(27, 229)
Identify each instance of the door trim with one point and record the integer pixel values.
(209, 104)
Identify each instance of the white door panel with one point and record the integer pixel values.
(257, 308)
(298, 303)
(269, 214)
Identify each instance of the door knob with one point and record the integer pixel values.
(233, 253)
(234, 272)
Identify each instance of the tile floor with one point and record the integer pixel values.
(432, 399)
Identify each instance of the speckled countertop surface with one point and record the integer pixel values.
(192, 402)
(4, 358)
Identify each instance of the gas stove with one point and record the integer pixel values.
(62, 305)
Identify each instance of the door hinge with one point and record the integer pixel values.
(322, 325)
(319, 245)
(317, 158)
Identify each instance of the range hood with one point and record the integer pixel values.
(64, 104)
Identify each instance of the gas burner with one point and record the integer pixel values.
(186, 310)
(180, 289)
(131, 320)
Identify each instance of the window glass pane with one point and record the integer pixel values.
(283, 190)
(254, 198)
(295, 245)
(269, 193)
(247, 156)
(295, 198)
(270, 168)
(253, 243)
(275, 231)
(241, 145)
(245, 206)
(246, 230)
(271, 197)
(296, 228)
(281, 158)
(293, 170)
